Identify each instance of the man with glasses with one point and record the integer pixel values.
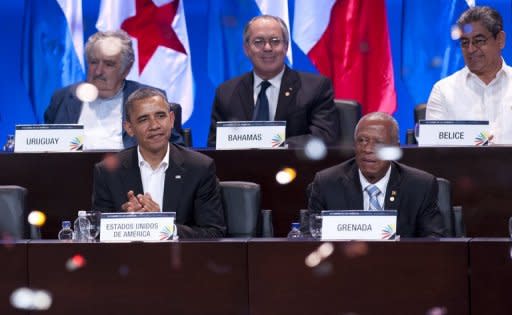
(303, 100)
(482, 90)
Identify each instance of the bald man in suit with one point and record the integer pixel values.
(412, 192)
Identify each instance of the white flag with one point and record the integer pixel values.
(162, 52)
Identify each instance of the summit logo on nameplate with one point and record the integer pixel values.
(453, 132)
(49, 138)
(250, 134)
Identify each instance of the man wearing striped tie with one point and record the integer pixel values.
(369, 183)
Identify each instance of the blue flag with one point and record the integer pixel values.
(226, 21)
(428, 51)
(49, 58)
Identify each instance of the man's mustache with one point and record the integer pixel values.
(99, 77)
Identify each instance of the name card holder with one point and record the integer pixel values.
(358, 225)
(453, 133)
(49, 138)
(137, 226)
(250, 134)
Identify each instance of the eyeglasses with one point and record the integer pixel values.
(476, 42)
(260, 43)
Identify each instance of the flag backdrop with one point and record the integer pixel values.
(348, 41)
(52, 49)
(226, 22)
(353, 32)
(429, 52)
(162, 52)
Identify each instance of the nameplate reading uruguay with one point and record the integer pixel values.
(137, 226)
(358, 225)
(49, 138)
(250, 134)
(453, 132)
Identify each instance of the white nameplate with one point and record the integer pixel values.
(137, 226)
(49, 138)
(453, 132)
(250, 134)
(358, 225)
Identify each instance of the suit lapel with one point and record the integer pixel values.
(174, 178)
(131, 174)
(290, 84)
(245, 93)
(392, 200)
(354, 192)
(75, 107)
(128, 89)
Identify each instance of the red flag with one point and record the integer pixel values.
(348, 41)
(159, 33)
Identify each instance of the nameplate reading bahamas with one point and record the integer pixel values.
(453, 133)
(358, 225)
(250, 134)
(49, 138)
(137, 226)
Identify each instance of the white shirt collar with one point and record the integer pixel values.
(275, 81)
(504, 71)
(163, 164)
(382, 184)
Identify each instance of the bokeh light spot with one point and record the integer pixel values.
(389, 153)
(37, 218)
(467, 28)
(437, 310)
(124, 270)
(325, 250)
(42, 300)
(286, 176)
(87, 92)
(436, 62)
(21, 298)
(315, 149)
(110, 46)
(76, 262)
(455, 32)
(28, 299)
(313, 259)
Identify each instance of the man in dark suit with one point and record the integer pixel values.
(159, 176)
(349, 185)
(303, 100)
(110, 57)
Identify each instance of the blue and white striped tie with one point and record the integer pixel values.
(373, 191)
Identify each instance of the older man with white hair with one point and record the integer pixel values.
(99, 105)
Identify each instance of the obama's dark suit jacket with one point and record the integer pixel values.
(191, 189)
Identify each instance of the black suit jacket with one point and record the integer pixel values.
(305, 102)
(65, 108)
(415, 196)
(191, 189)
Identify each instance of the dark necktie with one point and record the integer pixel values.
(261, 110)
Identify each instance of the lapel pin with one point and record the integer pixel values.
(393, 195)
(177, 176)
(287, 93)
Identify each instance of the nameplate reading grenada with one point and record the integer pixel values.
(49, 138)
(358, 225)
(453, 132)
(137, 226)
(250, 134)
